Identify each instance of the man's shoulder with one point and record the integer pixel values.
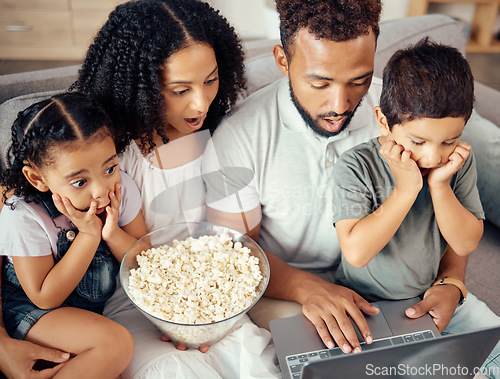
(257, 111)
(258, 103)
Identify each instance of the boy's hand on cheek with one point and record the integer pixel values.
(403, 167)
(110, 218)
(85, 221)
(442, 175)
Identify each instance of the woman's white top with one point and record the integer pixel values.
(176, 193)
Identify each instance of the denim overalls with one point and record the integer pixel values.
(97, 285)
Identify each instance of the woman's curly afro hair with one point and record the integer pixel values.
(335, 20)
(123, 66)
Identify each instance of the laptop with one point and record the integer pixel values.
(399, 343)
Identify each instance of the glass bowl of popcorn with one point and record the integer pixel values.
(194, 280)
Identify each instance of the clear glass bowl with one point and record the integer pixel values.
(192, 335)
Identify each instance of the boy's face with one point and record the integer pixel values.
(84, 172)
(431, 141)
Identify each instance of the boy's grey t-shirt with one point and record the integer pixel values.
(408, 264)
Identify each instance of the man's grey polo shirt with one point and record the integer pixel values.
(291, 171)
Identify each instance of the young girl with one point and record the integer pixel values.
(167, 71)
(70, 221)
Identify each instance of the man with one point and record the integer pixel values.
(288, 135)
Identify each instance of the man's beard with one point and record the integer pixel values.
(314, 124)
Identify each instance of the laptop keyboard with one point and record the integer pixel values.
(296, 362)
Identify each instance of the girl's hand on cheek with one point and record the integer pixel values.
(112, 212)
(85, 221)
(404, 168)
(442, 175)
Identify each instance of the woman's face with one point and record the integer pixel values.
(190, 84)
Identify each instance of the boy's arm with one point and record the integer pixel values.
(441, 301)
(362, 239)
(461, 229)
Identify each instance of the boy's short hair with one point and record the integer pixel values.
(427, 80)
(334, 20)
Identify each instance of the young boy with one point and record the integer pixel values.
(406, 198)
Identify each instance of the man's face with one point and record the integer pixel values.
(315, 122)
(328, 79)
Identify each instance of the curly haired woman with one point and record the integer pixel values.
(166, 71)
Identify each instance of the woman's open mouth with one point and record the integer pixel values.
(195, 123)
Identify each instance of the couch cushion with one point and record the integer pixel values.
(261, 70)
(37, 81)
(484, 136)
(481, 277)
(397, 34)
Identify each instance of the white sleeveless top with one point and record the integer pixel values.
(174, 193)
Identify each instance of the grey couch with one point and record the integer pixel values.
(17, 91)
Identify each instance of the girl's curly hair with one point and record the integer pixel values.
(123, 66)
(334, 20)
(43, 127)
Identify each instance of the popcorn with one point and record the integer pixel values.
(195, 281)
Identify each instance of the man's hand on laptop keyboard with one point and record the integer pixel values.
(329, 307)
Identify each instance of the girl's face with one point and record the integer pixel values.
(83, 172)
(190, 84)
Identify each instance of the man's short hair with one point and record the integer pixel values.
(334, 20)
(427, 80)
